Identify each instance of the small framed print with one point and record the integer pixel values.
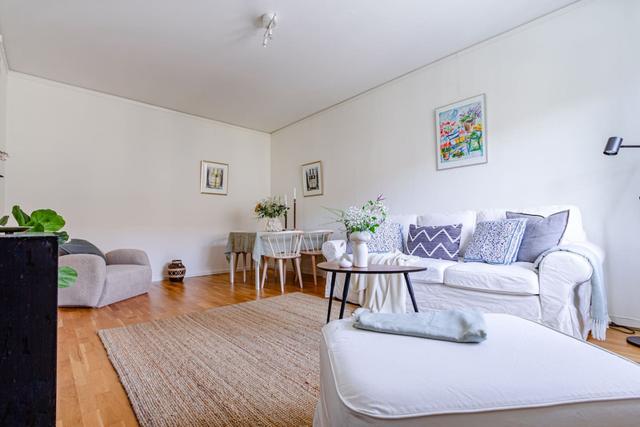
(214, 178)
(312, 179)
(461, 133)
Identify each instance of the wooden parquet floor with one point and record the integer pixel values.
(89, 392)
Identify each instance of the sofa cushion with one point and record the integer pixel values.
(387, 238)
(540, 234)
(519, 278)
(434, 272)
(573, 233)
(125, 281)
(405, 221)
(466, 218)
(496, 242)
(80, 246)
(434, 241)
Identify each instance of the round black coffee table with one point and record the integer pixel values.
(334, 268)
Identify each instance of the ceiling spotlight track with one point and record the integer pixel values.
(269, 22)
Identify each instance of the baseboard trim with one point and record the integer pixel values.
(626, 321)
(197, 274)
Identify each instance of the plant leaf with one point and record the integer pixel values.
(20, 216)
(63, 236)
(67, 276)
(49, 219)
(4, 220)
(37, 228)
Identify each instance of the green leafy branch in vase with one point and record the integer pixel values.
(45, 221)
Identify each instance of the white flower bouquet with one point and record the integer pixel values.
(367, 218)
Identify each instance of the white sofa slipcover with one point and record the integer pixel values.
(558, 294)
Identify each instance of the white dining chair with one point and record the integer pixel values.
(312, 247)
(282, 246)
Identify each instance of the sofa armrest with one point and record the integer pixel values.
(127, 256)
(92, 274)
(334, 249)
(565, 307)
(591, 247)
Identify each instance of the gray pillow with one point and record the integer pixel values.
(79, 246)
(540, 234)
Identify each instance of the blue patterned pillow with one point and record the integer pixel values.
(387, 238)
(496, 242)
(434, 241)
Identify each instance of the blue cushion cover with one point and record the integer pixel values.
(435, 241)
(496, 242)
(541, 233)
(387, 238)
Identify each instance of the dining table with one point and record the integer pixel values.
(245, 243)
(239, 243)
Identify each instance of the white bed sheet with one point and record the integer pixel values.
(525, 374)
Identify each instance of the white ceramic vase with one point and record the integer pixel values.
(273, 224)
(359, 241)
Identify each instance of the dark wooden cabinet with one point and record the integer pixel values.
(28, 321)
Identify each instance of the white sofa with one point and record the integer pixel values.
(557, 295)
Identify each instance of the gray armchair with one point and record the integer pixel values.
(125, 274)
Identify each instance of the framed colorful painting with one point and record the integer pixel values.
(461, 133)
(214, 177)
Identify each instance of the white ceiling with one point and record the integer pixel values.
(205, 57)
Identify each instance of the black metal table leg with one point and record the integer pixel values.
(345, 293)
(410, 288)
(333, 285)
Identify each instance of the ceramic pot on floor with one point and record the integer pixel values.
(359, 242)
(176, 270)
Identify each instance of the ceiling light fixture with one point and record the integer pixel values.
(269, 22)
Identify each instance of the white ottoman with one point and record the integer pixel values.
(525, 374)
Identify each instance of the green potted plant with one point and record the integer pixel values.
(45, 221)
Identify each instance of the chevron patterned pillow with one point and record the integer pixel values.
(435, 241)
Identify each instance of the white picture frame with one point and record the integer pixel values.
(461, 133)
(214, 178)
(312, 179)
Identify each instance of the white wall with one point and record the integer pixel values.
(3, 121)
(555, 90)
(125, 174)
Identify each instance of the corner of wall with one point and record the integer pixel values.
(4, 71)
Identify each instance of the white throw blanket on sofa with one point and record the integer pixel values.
(383, 293)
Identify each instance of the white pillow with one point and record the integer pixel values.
(466, 218)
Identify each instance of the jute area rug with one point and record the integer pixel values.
(249, 364)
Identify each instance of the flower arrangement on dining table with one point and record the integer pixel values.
(271, 209)
(360, 223)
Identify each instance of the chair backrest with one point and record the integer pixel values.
(313, 240)
(282, 244)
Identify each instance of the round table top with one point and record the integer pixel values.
(370, 269)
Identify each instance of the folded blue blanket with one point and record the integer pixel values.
(448, 325)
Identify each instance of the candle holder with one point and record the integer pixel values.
(294, 214)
